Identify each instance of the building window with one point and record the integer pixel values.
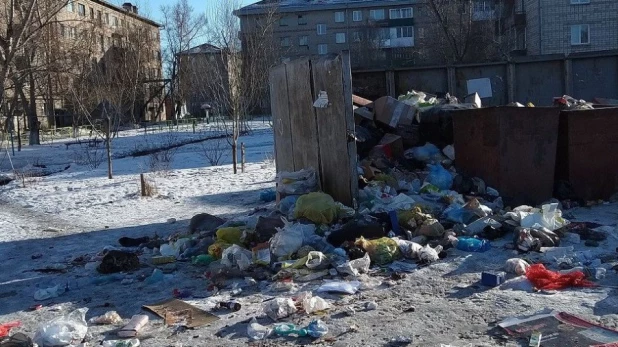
(321, 29)
(399, 13)
(339, 17)
(357, 16)
(357, 36)
(481, 6)
(377, 14)
(100, 17)
(285, 42)
(106, 18)
(63, 31)
(92, 13)
(72, 33)
(323, 49)
(114, 21)
(579, 2)
(71, 6)
(302, 20)
(404, 32)
(81, 10)
(102, 43)
(421, 33)
(283, 22)
(303, 40)
(580, 34)
(340, 37)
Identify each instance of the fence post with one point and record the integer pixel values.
(390, 84)
(510, 82)
(242, 157)
(451, 80)
(142, 181)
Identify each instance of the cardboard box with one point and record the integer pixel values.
(394, 143)
(392, 113)
(362, 113)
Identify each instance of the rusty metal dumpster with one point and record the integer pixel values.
(513, 149)
(587, 147)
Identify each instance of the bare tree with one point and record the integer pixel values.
(183, 27)
(240, 83)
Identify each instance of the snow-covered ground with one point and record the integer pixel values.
(79, 212)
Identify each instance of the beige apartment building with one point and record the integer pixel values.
(101, 31)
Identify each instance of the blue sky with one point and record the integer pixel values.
(151, 8)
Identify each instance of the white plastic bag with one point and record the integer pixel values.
(355, 267)
(289, 238)
(279, 308)
(340, 287)
(257, 331)
(312, 303)
(429, 254)
(409, 249)
(479, 225)
(315, 260)
(516, 266)
(297, 183)
(236, 256)
(63, 330)
(111, 317)
(549, 217)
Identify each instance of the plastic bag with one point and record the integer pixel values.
(279, 308)
(431, 228)
(229, 235)
(111, 317)
(286, 205)
(516, 266)
(63, 330)
(236, 256)
(312, 303)
(429, 254)
(289, 238)
(316, 260)
(426, 153)
(6, 327)
(355, 267)
(544, 279)
(317, 329)
(217, 248)
(257, 331)
(409, 249)
(381, 251)
(121, 343)
(549, 217)
(340, 287)
(319, 208)
(479, 225)
(297, 183)
(440, 177)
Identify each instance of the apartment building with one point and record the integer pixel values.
(100, 31)
(570, 26)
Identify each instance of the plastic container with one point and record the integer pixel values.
(471, 244)
(121, 343)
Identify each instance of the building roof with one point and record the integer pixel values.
(315, 5)
(205, 48)
(131, 14)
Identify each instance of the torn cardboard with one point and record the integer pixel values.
(392, 113)
(175, 311)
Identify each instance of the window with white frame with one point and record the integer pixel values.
(580, 34)
(322, 48)
(579, 2)
(71, 6)
(81, 10)
(399, 13)
(339, 17)
(72, 32)
(285, 42)
(63, 30)
(114, 21)
(421, 33)
(357, 36)
(303, 40)
(377, 14)
(340, 37)
(357, 16)
(106, 19)
(321, 29)
(481, 6)
(404, 32)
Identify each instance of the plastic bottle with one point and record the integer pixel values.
(121, 343)
(471, 244)
(290, 329)
(317, 328)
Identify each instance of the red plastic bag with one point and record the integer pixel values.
(6, 327)
(542, 278)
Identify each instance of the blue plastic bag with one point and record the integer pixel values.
(440, 177)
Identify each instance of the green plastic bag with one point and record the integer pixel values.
(381, 251)
(319, 208)
(229, 235)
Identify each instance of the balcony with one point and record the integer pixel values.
(520, 19)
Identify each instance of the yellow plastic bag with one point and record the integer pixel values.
(229, 235)
(319, 208)
(381, 251)
(217, 248)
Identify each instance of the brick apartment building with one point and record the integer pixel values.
(104, 30)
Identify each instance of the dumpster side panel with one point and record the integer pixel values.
(595, 77)
(513, 149)
(592, 147)
(537, 83)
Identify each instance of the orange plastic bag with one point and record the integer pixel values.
(542, 278)
(6, 327)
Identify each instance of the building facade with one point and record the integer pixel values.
(115, 40)
(570, 26)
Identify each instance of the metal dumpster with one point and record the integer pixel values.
(587, 147)
(513, 149)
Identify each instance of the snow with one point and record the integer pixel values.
(79, 212)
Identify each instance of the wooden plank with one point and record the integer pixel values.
(357, 100)
(284, 154)
(350, 124)
(332, 129)
(303, 128)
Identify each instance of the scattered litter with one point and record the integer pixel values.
(279, 308)
(197, 317)
(63, 330)
(135, 325)
(340, 287)
(111, 317)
